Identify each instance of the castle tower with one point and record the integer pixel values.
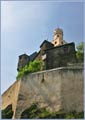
(58, 37)
(23, 60)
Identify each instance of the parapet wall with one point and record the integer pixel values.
(55, 89)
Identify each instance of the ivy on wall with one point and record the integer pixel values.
(7, 113)
(34, 66)
(41, 113)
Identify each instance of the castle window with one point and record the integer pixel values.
(62, 42)
(44, 57)
(55, 42)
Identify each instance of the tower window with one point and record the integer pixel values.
(57, 35)
(62, 42)
(55, 42)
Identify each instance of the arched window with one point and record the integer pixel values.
(57, 35)
(55, 42)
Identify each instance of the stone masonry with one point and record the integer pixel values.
(61, 88)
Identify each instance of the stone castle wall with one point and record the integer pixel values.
(55, 56)
(10, 96)
(55, 89)
(43, 47)
(60, 56)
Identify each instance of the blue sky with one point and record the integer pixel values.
(25, 24)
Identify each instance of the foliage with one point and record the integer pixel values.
(34, 66)
(7, 113)
(74, 114)
(40, 113)
(34, 112)
(80, 52)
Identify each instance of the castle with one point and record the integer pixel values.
(54, 54)
(58, 87)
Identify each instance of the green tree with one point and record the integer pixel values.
(80, 52)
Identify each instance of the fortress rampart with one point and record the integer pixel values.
(55, 89)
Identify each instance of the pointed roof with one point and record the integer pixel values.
(32, 56)
(45, 41)
(23, 55)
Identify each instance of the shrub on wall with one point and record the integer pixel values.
(34, 66)
(80, 52)
(7, 113)
(33, 112)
